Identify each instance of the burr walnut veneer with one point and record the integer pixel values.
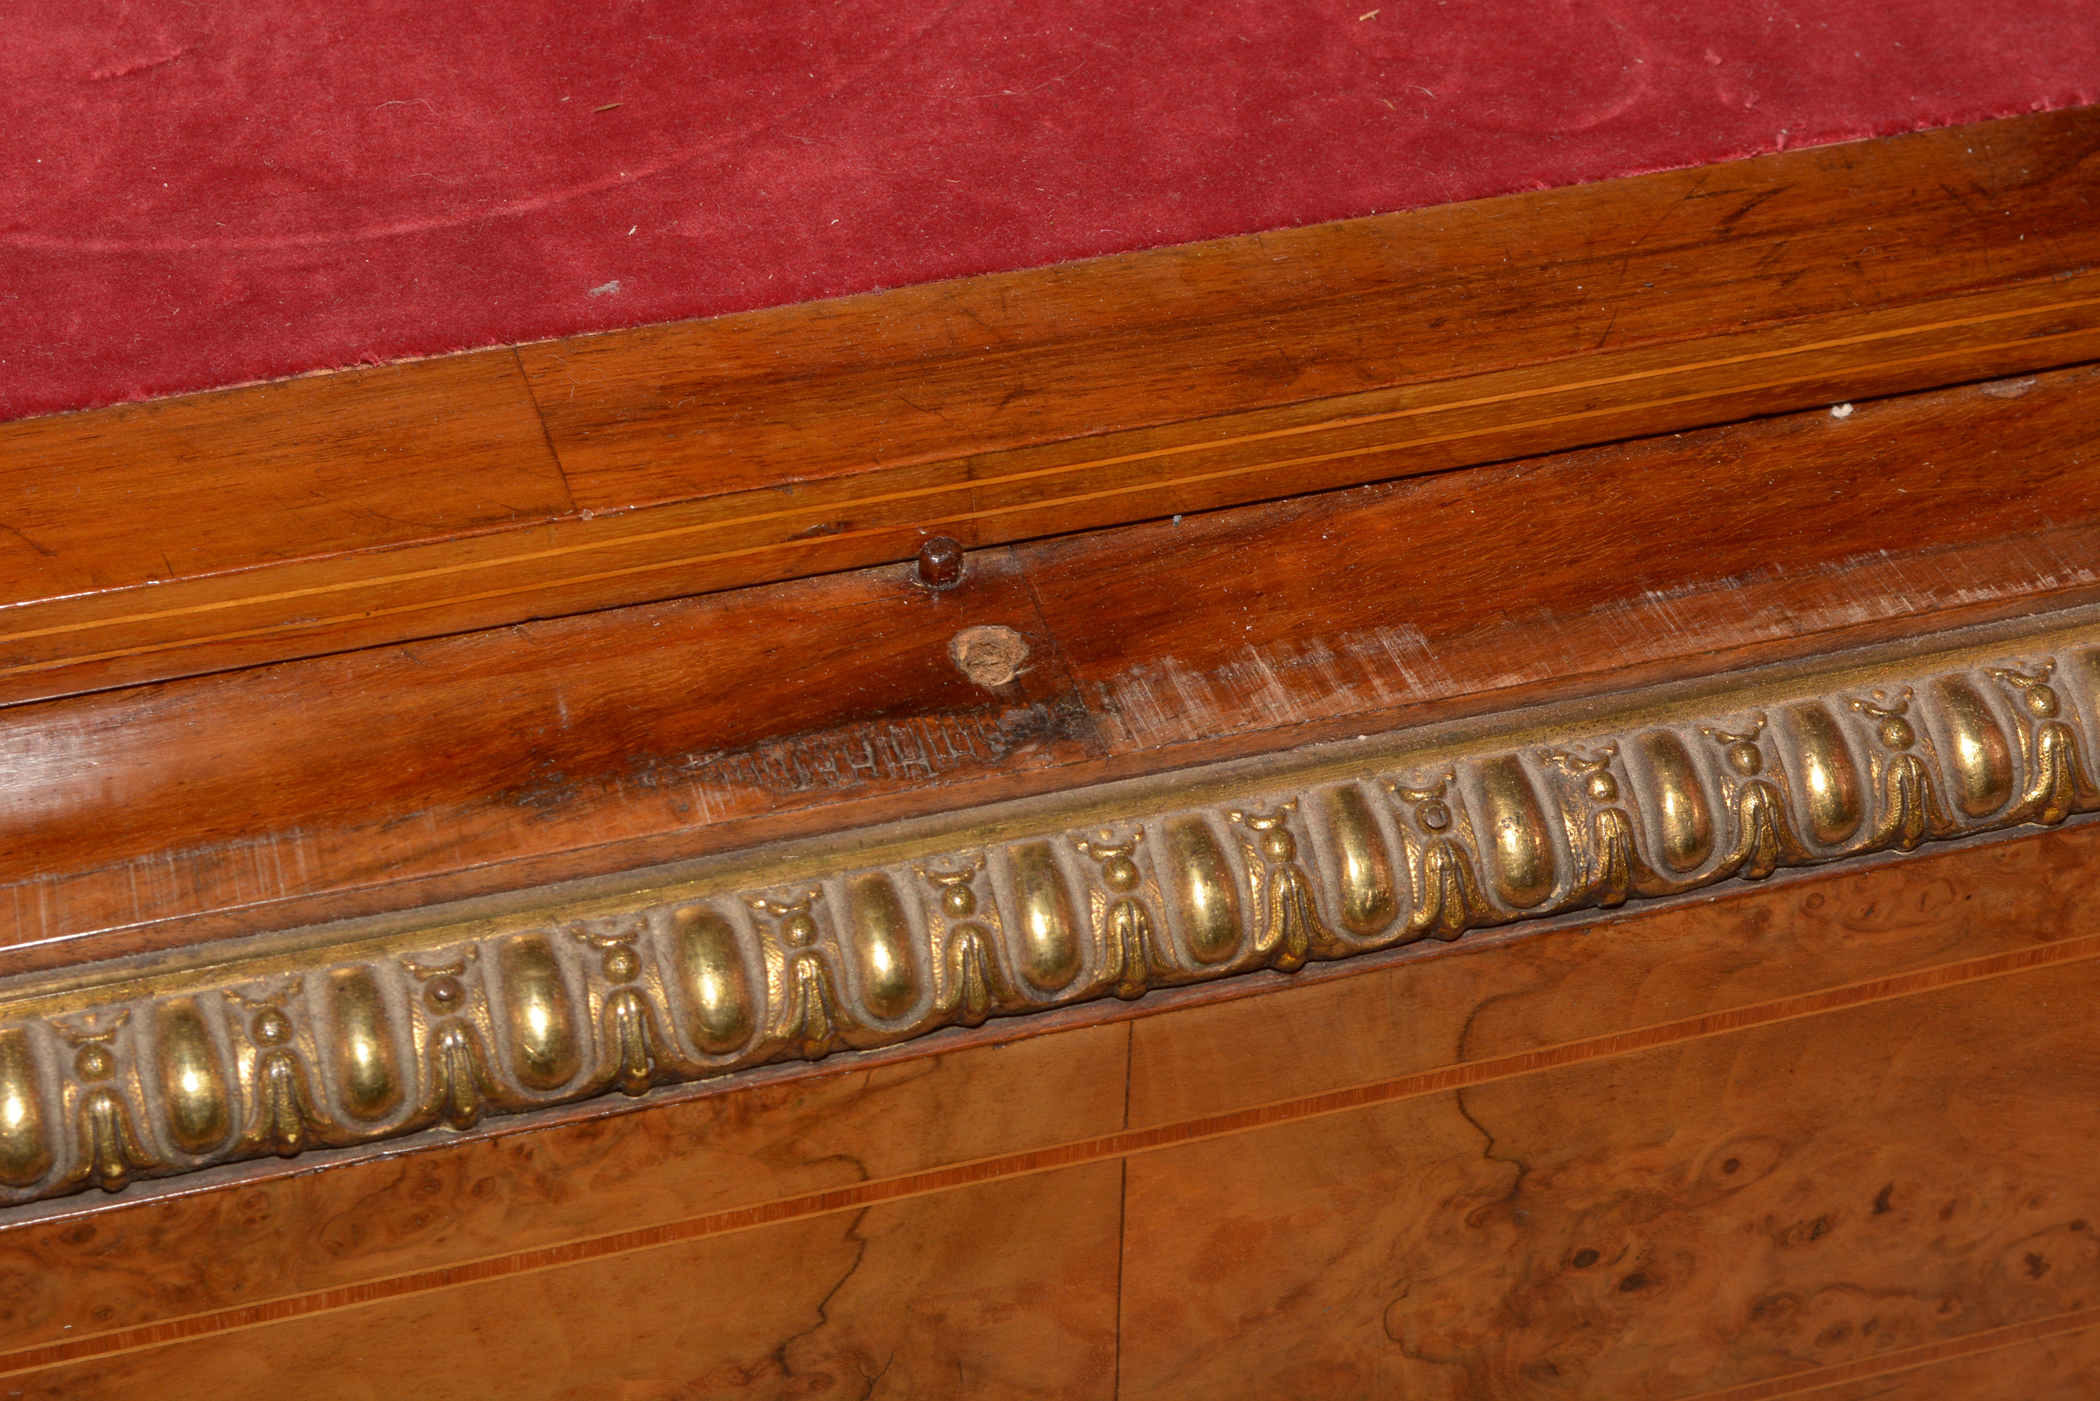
(1502, 808)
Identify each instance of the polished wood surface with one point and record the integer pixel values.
(899, 1300)
(1827, 1127)
(1725, 1211)
(147, 493)
(404, 775)
(2056, 1359)
(789, 442)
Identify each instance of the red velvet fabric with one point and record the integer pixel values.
(202, 192)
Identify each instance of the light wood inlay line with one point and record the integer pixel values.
(1907, 1359)
(873, 535)
(861, 503)
(1123, 1144)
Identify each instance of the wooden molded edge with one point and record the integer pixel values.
(370, 1031)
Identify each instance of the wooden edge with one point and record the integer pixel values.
(410, 776)
(370, 1031)
(1171, 405)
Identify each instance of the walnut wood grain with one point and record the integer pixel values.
(731, 452)
(1715, 1214)
(903, 1299)
(405, 775)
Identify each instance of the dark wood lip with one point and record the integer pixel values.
(495, 879)
(691, 457)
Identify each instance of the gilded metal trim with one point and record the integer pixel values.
(364, 1032)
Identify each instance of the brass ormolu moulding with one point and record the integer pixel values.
(363, 1032)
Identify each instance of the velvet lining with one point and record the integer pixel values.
(198, 192)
